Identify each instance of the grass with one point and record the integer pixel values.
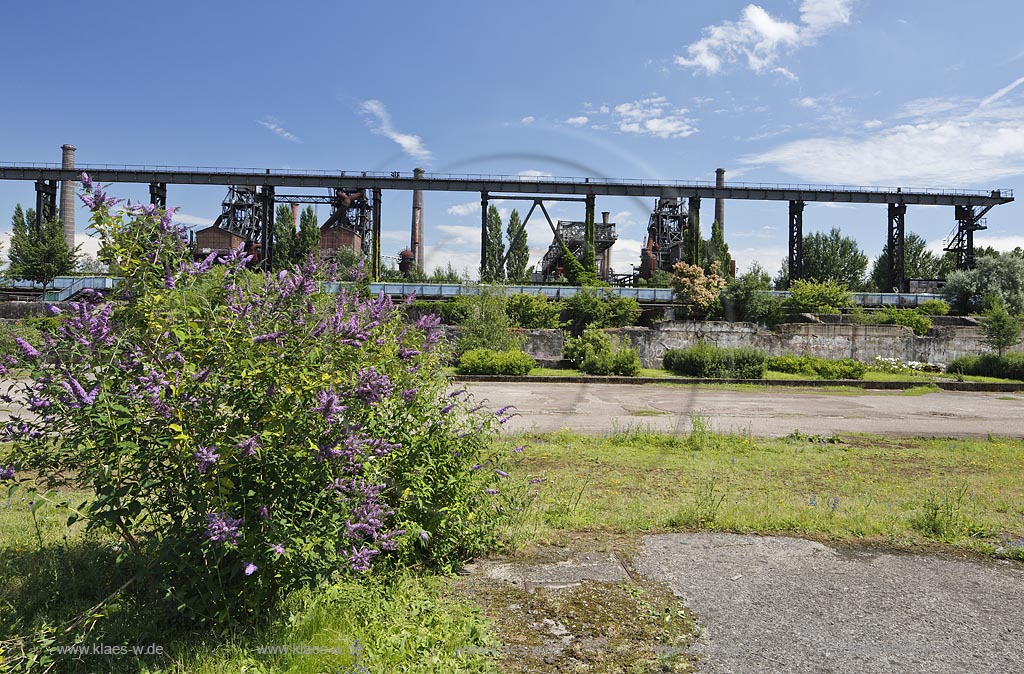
(905, 493)
(58, 589)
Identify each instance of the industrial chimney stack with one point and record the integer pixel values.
(67, 195)
(416, 244)
(720, 203)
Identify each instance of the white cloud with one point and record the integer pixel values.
(458, 235)
(462, 210)
(873, 124)
(463, 261)
(195, 220)
(87, 244)
(947, 142)
(785, 72)
(379, 122)
(760, 38)
(807, 102)
(274, 125)
(653, 116)
(534, 173)
(529, 119)
(577, 121)
(626, 254)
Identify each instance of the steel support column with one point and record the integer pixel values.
(483, 235)
(796, 240)
(158, 194)
(968, 221)
(267, 228)
(46, 202)
(692, 238)
(375, 244)
(897, 257)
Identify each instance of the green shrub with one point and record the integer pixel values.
(917, 322)
(817, 298)
(595, 352)
(533, 311)
(488, 361)
(241, 449)
(812, 366)
(597, 308)
(486, 324)
(451, 312)
(709, 361)
(1007, 366)
(933, 308)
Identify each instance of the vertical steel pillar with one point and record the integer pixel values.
(375, 244)
(46, 202)
(483, 235)
(897, 258)
(966, 223)
(267, 228)
(796, 240)
(692, 238)
(158, 194)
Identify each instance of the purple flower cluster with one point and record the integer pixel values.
(7, 473)
(94, 196)
(207, 457)
(223, 528)
(26, 348)
(248, 446)
(329, 405)
(372, 386)
(88, 323)
(79, 397)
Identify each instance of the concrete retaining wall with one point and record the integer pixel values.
(860, 342)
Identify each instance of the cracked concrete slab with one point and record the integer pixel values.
(771, 604)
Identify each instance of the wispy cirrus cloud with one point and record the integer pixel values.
(929, 142)
(379, 121)
(273, 124)
(652, 116)
(760, 38)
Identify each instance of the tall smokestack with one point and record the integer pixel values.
(295, 218)
(67, 195)
(719, 202)
(416, 244)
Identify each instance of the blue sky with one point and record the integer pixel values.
(858, 92)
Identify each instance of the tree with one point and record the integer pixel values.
(1001, 330)
(746, 298)
(918, 262)
(995, 278)
(716, 249)
(39, 253)
(518, 250)
(87, 265)
(491, 269)
(832, 257)
(284, 237)
(696, 290)
(308, 240)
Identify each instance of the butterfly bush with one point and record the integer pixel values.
(244, 433)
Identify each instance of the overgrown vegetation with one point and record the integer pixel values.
(902, 492)
(597, 308)
(707, 360)
(488, 361)
(817, 298)
(812, 366)
(1008, 366)
(597, 352)
(533, 311)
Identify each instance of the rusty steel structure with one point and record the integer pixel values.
(262, 184)
(573, 235)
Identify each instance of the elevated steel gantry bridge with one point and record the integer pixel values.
(970, 205)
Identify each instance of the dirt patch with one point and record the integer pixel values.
(580, 608)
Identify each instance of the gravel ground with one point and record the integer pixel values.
(768, 604)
